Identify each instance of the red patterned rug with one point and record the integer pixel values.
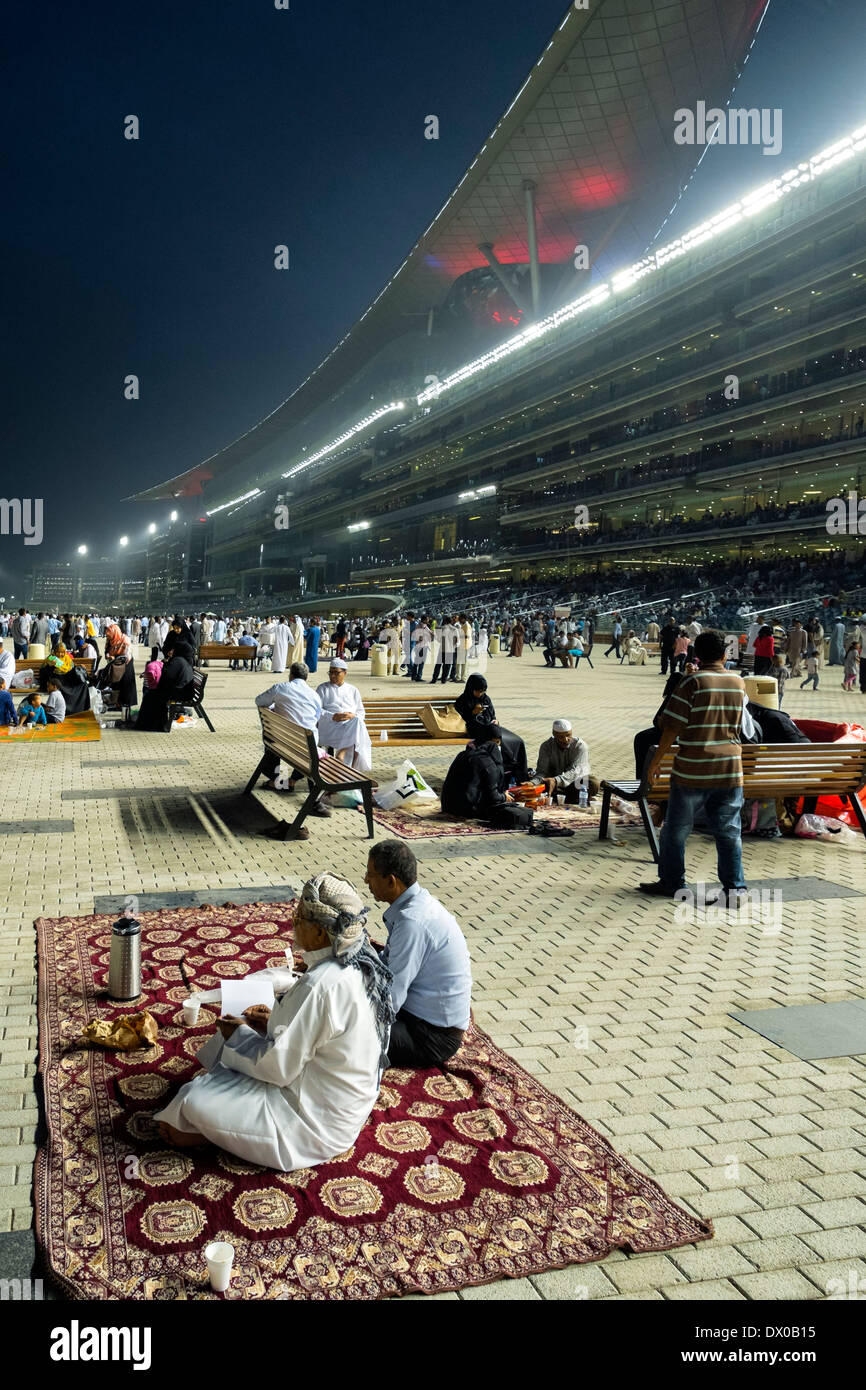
(459, 1177)
(409, 827)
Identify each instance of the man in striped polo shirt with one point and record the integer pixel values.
(703, 718)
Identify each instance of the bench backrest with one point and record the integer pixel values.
(214, 650)
(199, 681)
(399, 716)
(291, 743)
(791, 769)
(34, 663)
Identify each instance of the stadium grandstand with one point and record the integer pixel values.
(557, 423)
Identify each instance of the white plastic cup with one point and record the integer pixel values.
(220, 1258)
(190, 1011)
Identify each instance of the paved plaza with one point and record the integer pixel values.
(599, 992)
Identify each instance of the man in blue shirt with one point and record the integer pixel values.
(428, 957)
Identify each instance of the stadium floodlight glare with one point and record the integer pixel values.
(82, 550)
(254, 492)
(124, 540)
(152, 528)
(359, 526)
(474, 493)
(173, 516)
(750, 205)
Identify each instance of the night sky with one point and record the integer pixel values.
(261, 127)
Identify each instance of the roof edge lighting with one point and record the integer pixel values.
(254, 492)
(344, 438)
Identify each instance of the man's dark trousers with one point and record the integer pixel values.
(417, 1043)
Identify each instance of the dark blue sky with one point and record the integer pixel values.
(261, 127)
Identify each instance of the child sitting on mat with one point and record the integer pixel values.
(30, 711)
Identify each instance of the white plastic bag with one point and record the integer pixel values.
(407, 786)
(829, 829)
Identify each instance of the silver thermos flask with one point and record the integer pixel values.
(124, 970)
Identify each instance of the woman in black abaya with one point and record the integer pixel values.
(175, 684)
(475, 708)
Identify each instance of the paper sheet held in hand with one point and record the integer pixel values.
(238, 995)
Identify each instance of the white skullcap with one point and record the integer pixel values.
(561, 726)
(337, 664)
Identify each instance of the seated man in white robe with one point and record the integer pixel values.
(297, 702)
(294, 1087)
(342, 726)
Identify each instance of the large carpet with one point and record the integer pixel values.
(408, 827)
(459, 1177)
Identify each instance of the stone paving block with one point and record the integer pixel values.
(721, 1203)
(511, 1290)
(781, 1285)
(842, 1279)
(707, 1290)
(781, 1194)
(781, 1252)
(645, 1272)
(575, 1282)
(710, 1262)
(850, 1184)
(836, 1244)
(780, 1221)
(844, 1212)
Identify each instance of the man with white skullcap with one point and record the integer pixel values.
(293, 1086)
(563, 762)
(342, 726)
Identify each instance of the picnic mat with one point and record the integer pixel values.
(78, 728)
(408, 827)
(459, 1177)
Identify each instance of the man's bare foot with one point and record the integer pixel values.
(178, 1137)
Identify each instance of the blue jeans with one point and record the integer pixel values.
(722, 807)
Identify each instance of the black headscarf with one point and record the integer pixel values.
(465, 704)
(174, 639)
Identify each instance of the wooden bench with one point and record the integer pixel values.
(34, 664)
(401, 719)
(770, 771)
(218, 651)
(297, 748)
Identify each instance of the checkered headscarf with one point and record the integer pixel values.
(332, 903)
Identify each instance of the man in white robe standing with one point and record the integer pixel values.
(342, 725)
(281, 646)
(296, 637)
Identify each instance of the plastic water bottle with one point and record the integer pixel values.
(583, 797)
(383, 737)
